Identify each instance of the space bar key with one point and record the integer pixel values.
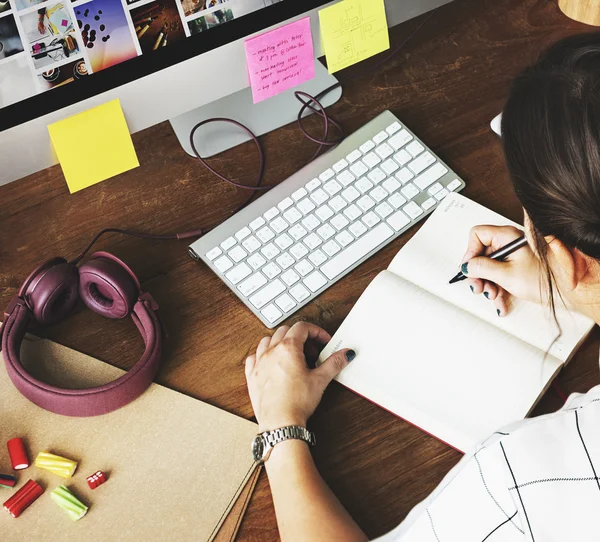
(348, 257)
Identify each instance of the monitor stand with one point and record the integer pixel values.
(261, 118)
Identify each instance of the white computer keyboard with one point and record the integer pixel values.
(306, 233)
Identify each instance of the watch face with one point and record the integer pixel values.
(258, 448)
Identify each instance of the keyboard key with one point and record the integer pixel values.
(453, 185)
(251, 244)
(312, 185)
(285, 260)
(339, 222)
(304, 267)
(270, 251)
(344, 238)
(325, 231)
(305, 206)
(252, 284)
(292, 215)
(380, 137)
(278, 225)
(271, 270)
(370, 219)
(238, 273)
(399, 140)
(393, 128)
(427, 178)
(311, 221)
(256, 261)
(339, 166)
(351, 194)
(376, 175)
(271, 213)
(391, 185)
(285, 303)
(365, 203)
(422, 162)
(441, 194)
(358, 169)
(378, 193)
(337, 203)
(415, 148)
(298, 251)
(384, 151)
(315, 281)
(243, 233)
(412, 210)
(299, 194)
(390, 166)
(363, 184)
(324, 213)
(357, 229)
(319, 196)
(367, 146)
(327, 174)
(290, 277)
(404, 175)
(398, 220)
(265, 234)
(297, 232)
(271, 313)
(331, 247)
(332, 187)
(212, 254)
(434, 189)
(223, 264)
(396, 200)
(371, 160)
(317, 258)
(345, 178)
(228, 243)
(354, 156)
(402, 157)
(300, 293)
(352, 212)
(237, 254)
(384, 210)
(257, 223)
(428, 204)
(410, 191)
(312, 241)
(359, 249)
(284, 241)
(286, 203)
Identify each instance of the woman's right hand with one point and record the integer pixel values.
(518, 275)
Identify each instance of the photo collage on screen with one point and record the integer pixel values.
(49, 43)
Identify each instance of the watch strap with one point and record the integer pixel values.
(289, 432)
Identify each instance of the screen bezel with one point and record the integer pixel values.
(144, 65)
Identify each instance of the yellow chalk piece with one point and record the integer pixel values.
(353, 30)
(93, 146)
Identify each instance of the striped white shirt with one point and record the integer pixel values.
(536, 480)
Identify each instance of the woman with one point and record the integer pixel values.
(537, 480)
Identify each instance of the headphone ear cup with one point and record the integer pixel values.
(52, 291)
(107, 286)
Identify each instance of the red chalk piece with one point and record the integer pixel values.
(6, 480)
(96, 479)
(23, 498)
(17, 453)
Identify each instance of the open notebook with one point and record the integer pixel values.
(439, 356)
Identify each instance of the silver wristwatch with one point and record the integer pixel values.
(264, 442)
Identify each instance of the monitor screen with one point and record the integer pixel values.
(82, 48)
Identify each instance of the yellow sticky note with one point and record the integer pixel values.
(93, 146)
(353, 30)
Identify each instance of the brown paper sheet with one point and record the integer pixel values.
(176, 466)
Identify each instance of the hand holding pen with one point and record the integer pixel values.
(499, 263)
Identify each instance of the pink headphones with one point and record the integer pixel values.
(108, 287)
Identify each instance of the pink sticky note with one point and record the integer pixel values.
(65, 22)
(280, 59)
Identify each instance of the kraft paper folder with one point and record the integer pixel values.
(178, 469)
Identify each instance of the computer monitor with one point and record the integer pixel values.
(161, 58)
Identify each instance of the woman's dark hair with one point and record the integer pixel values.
(551, 134)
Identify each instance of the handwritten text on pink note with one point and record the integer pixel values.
(280, 59)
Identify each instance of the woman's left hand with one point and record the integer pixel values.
(283, 390)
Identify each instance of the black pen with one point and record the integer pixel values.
(499, 255)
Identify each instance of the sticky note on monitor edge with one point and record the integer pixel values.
(280, 59)
(93, 145)
(353, 30)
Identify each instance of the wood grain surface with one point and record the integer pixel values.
(446, 84)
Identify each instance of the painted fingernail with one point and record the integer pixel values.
(350, 355)
(486, 294)
(498, 312)
(472, 289)
(464, 268)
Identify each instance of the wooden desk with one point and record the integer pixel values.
(446, 84)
